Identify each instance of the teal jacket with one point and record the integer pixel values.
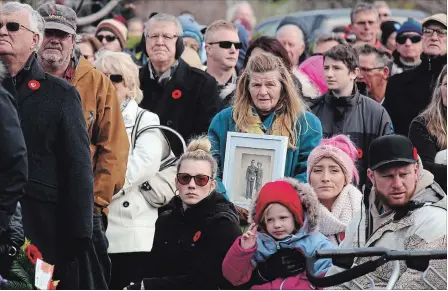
(309, 130)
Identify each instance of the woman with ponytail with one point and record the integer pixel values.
(332, 172)
(193, 236)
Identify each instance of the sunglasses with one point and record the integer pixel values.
(14, 26)
(109, 38)
(228, 44)
(56, 33)
(413, 38)
(116, 78)
(200, 180)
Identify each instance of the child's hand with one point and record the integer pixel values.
(249, 238)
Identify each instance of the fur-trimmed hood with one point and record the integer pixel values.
(310, 205)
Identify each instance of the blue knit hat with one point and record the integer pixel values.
(191, 28)
(410, 25)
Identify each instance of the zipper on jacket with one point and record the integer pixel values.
(42, 183)
(429, 63)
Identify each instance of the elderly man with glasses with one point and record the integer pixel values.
(409, 93)
(109, 143)
(184, 98)
(57, 207)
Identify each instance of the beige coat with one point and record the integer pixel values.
(422, 229)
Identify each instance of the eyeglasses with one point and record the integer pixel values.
(116, 78)
(165, 36)
(109, 38)
(200, 180)
(401, 39)
(14, 26)
(56, 33)
(228, 44)
(430, 32)
(369, 70)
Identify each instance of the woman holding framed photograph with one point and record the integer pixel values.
(267, 102)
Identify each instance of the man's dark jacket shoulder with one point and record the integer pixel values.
(13, 156)
(187, 103)
(190, 246)
(409, 93)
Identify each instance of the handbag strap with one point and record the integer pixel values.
(135, 128)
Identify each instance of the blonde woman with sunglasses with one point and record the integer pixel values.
(132, 215)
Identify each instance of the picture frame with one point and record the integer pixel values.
(243, 175)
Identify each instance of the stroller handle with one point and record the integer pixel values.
(384, 255)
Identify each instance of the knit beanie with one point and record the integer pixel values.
(279, 192)
(387, 28)
(410, 25)
(191, 28)
(339, 148)
(116, 27)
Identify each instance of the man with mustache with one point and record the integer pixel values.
(406, 212)
(109, 143)
(409, 93)
(222, 46)
(57, 207)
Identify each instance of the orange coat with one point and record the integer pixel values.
(109, 145)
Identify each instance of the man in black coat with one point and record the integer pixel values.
(409, 93)
(185, 98)
(13, 158)
(57, 207)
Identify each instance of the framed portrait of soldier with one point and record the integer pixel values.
(251, 161)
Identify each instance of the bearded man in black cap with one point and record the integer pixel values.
(406, 211)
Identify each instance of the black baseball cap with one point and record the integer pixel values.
(391, 149)
(58, 17)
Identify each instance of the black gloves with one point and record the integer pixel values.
(284, 263)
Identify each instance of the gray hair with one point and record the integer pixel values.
(382, 58)
(165, 17)
(37, 23)
(231, 11)
(300, 32)
(361, 7)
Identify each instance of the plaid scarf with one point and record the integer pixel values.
(166, 76)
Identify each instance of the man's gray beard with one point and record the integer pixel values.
(54, 62)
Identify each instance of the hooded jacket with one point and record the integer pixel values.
(409, 93)
(109, 145)
(239, 263)
(189, 246)
(421, 229)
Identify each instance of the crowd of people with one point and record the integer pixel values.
(96, 173)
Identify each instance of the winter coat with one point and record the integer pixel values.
(421, 229)
(309, 132)
(108, 143)
(357, 116)
(60, 168)
(333, 223)
(427, 148)
(189, 246)
(409, 93)
(13, 161)
(132, 219)
(187, 103)
(239, 263)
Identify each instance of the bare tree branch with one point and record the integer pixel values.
(98, 15)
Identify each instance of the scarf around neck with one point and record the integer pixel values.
(270, 126)
(166, 76)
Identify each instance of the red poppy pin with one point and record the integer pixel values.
(415, 154)
(34, 85)
(359, 153)
(196, 236)
(342, 236)
(176, 94)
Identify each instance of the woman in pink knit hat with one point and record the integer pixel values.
(331, 172)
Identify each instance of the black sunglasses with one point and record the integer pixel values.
(116, 78)
(401, 39)
(109, 38)
(56, 33)
(228, 44)
(200, 180)
(14, 26)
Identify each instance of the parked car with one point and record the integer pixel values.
(317, 22)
